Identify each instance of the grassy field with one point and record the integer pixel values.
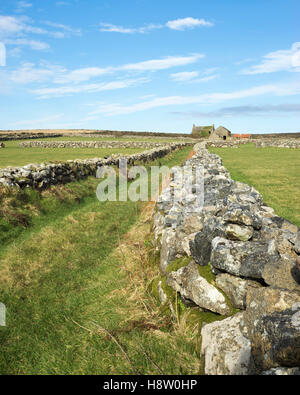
(274, 172)
(13, 155)
(75, 280)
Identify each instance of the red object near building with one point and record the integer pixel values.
(242, 136)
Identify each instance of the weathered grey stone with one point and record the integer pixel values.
(246, 259)
(239, 232)
(285, 247)
(162, 295)
(275, 339)
(282, 274)
(237, 214)
(188, 282)
(286, 225)
(225, 349)
(235, 288)
(193, 223)
(202, 244)
(266, 301)
(297, 243)
(281, 371)
(168, 248)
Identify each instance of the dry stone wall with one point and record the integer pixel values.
(228, 143)
(237, 259)
(267, 142)
(27, 136)
(90, 144)
(281, 143)
(41, 176)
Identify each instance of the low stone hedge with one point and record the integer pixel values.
(41, 176)
(259, 143)
(280, 143)
(234, 260)
(27, 136)
(228, 143)
(90, 144)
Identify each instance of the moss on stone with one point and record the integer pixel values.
(178, 263)
(205, 272)
(169, 291)
(154, 287)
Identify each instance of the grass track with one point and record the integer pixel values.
(66, 273)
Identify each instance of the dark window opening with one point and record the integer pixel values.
(224, 137)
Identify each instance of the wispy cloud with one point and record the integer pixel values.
(282, 60)
(29, 73)
(108, 27)
(45, 93)
(152, 65)
(177, 24)
(18, 31)
(32, 123)
(22, 6)
(118, 109)
(75, 81)
(195, 76)
(33, 44)
(184, 76)
(65, 30)
(187, 23)
(264, 109)
(10, 25)
(2, 55)
(162, 64)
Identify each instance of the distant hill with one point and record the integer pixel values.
(102, 132)
(276, 135)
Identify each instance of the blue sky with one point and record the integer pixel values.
(150, 65)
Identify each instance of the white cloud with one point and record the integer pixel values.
(282, 60)
(18, 31)
(108, 27)
(40, 123)
(23, 5)
(84, 74)
(29, 73)
(33, 44)
(118, 109)
(178, 24)
(193, 76)
(2, 55)
(65, 29)
(9, 25)
(81, 75)
(187, 23)
(45, 93)
(184, 76)
(162, 64)
(207, 79)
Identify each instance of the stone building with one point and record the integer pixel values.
(220, 133)
(210, 132)
(203, 131)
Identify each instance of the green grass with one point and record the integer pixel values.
(13, 155)
(61, 275)
(274, 172)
